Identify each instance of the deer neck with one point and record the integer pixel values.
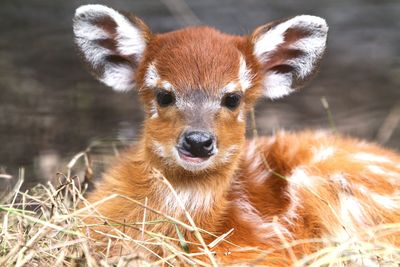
(203, 194)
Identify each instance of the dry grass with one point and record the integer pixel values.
(44, 227)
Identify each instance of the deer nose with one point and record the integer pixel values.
(198, 144)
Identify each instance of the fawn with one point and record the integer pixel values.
(197, 85)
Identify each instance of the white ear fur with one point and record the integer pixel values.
(296, 44)
(110, 43)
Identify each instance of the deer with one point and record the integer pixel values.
(193, 162)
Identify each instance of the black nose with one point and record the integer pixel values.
(198, 144)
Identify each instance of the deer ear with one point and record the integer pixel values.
(289, 52)
(111, 43)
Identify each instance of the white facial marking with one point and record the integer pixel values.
(190, 166)
(154, 110)
(167, 85)
(151, 77)
(322, 154)
(245, 78)
(371, 157)
(158, 148)
(242, 115)
(229, 88)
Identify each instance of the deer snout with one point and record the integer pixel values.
(197, 144)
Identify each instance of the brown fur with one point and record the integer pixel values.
(132, 177)
(255, 189)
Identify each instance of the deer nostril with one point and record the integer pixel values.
(198, 144)
(186, 143)
(208, 144)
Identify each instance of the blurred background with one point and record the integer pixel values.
(51, 108)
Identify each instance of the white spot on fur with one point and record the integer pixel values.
(387, 202)
(380, 171)
(340, 179)
(250, 215)
(244, 75)
(277, 85)
(255, 161)
(371, 157)
(322, 154)
(151, 77)
(351, 218)
(351, 214)
(384, 201)
(291, 214)
(193, 200)
(376, 169)
(251, 149)
(262, 176)
(300, 178)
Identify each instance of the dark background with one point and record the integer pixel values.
(51, 108)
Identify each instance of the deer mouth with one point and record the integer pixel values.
(189, 162)
(188, 157)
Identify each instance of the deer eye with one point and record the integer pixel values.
(165, 98)
(232, 100)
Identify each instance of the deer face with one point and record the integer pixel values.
(197, 83)
(194, 90)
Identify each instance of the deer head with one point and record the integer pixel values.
(197, 83)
